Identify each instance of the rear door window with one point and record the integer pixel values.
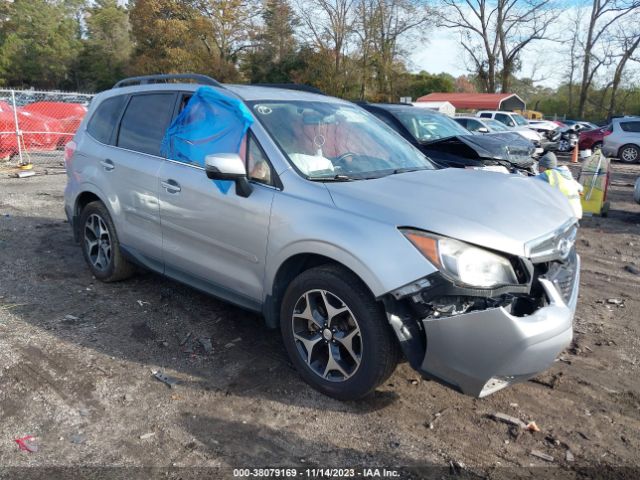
(485, 115)
(105, 118)
(145, 121)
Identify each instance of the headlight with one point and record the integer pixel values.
(468, 264)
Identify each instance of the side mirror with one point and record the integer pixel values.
(483, 130)
(228, 166)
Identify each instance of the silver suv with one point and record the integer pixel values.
(346, 237)
(623, 141)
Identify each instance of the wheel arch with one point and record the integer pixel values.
(82, 200)
(293, 266)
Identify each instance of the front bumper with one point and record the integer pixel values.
(482, 352)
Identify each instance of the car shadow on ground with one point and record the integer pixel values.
(150, 319)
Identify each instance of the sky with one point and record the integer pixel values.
(443, 53)
(543, 60)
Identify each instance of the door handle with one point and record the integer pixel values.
(107, 165)
(171, 186)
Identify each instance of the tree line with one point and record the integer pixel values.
(356, 49)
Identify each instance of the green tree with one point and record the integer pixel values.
(276, 54)
(171, 37)
(415, 85)
(107, 48)
(39, 41)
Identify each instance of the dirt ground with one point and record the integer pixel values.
(76, 361)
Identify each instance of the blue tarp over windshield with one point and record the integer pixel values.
(211, 122)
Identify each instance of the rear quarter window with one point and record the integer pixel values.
(630, 126)
(104, 119)
(145, 121)
(485, 115)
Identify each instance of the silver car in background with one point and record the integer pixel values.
(624, 141)
(337, 231)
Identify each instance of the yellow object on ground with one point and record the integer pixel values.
(595, 177)
(28, 166)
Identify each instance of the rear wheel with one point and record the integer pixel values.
(629, 154)
(336, 334)
(100, 245)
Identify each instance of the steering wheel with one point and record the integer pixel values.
(341, 161)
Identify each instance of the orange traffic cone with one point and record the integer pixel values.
(574, 155)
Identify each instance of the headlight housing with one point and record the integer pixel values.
(466, 263)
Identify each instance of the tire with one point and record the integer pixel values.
(100, 245)
(596, 146)
(564, 146)
(629, 154)
(374, 352)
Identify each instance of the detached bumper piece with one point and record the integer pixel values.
(481, 351)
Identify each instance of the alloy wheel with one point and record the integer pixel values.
(97, 241)
(629, 154)
(327, 335)
(563, 146)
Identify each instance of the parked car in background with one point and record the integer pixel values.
(580, 125)
(449, 144)
(348, 239)
(592, 139)
(624, 140)
(481, 125)
(516, 122)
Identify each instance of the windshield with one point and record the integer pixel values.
(426, 126)
(336, 141)
(496, 126)
(519, 119)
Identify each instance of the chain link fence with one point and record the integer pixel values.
(36, 125)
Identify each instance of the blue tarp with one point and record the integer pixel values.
(211, 122)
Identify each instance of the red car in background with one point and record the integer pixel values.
(592, 139)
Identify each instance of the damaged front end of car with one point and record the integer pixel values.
(480, 339)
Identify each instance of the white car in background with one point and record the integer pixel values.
(495, 123)
(514, 121)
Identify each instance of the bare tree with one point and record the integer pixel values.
(474, 20)
(604, 15)
(329, 23)
(494, 33)
(629, 40)
(573, 56)
(388, 22)
(519, 22)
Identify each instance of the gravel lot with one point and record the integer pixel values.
(76, 361)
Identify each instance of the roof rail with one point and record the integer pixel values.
(165, 77)
(291, 86)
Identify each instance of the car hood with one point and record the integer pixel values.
(507, 146)
(493, 210)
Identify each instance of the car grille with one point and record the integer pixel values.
(563, 275)
(546, 248)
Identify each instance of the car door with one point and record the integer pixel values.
(213, 239)
(134, 167)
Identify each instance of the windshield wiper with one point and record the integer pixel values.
(341, 177)
(408, 169)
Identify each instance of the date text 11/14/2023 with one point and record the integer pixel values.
(315, 473)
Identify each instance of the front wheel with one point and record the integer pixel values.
(564, 145)
(336, 334)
